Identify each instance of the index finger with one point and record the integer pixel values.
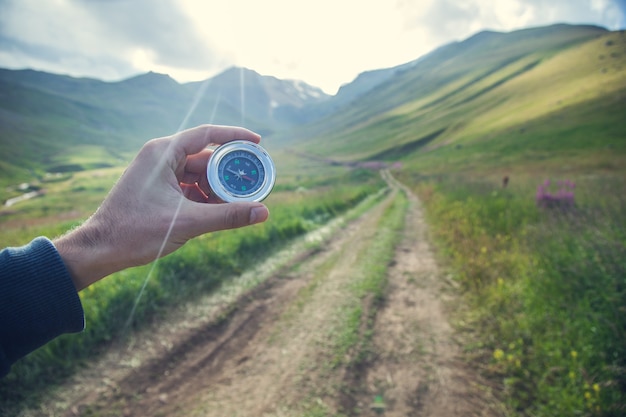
(194, 140)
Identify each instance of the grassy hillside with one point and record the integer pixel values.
(540, 256)
(44, 117)
(448, 91)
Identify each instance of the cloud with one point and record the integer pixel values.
(114, 38)
(446, 19)
(326, 42)
(157, 26)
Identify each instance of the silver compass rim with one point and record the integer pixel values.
(222, 192)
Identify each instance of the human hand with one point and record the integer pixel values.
(161, 201)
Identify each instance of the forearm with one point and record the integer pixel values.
(38, 301)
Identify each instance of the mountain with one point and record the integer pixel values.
(448, 71)
(361, 85)
(439, 96)
(42, 115)
(262, 101)
(490, 87)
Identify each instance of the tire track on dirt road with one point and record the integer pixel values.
(417, 368)
(274, 351)
(267, 356)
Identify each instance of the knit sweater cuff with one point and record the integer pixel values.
(38, 300)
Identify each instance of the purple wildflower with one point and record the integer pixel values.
(562, 198)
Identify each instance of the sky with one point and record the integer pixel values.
(325, 43)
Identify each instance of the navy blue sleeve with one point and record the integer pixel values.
(38, 300)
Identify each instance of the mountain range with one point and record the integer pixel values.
(383, 114)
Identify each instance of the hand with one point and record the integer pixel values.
(161, 201)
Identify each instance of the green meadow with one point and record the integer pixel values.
(543, 270)
(198, 268)
(538, 258)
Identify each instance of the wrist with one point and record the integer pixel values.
(87, 255)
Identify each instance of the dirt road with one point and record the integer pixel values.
(276, 349)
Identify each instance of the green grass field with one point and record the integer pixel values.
(199, 267)
(545, 282)
(543, 276)
(545, 288)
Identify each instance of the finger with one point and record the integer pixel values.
(194, 193)
(199, 192)
(194, 169)
(197, 219)
(196, 164)
(194, 140)
(212, 198)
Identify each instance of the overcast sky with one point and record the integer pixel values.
(326, 43)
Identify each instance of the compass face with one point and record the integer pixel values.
(241, 171)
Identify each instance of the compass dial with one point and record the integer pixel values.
(241, 171)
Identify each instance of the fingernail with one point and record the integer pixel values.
(258, 215)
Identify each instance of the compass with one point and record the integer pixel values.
(241, 171)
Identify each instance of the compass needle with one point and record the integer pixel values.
(241, 161)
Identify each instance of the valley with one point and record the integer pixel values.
(288, 347)
(446, 238)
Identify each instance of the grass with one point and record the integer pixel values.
(199, 267)
(545, 286)
(458, 84)
(68, 198)
(348, 335)
(547, 291)
(483, 103)
(351, 338)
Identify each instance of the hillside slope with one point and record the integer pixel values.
(45, 115)
(479, 88)
(493, 87)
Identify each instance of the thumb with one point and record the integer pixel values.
(200, 218)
